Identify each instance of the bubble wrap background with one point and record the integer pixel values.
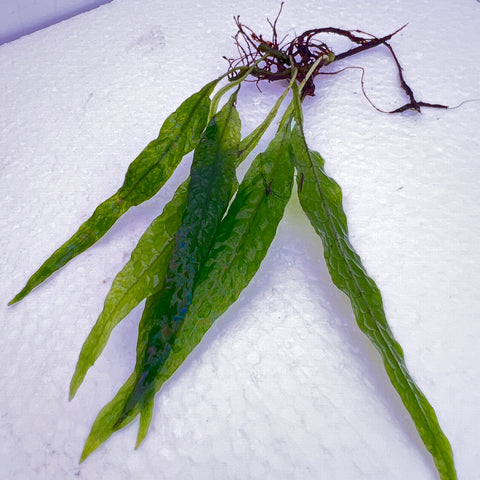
(284, 386)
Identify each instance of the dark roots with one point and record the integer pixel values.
(276, 59)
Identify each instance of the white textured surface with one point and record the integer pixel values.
(21, 17)
(284, 386)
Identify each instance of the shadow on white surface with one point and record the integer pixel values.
(22, 17)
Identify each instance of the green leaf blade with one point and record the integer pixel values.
(104, 216)
(237, 253)
(104, 425)
(179, 134)
(241, 245)
(142, 275)
(320, 198)
(242, 241)
(212, 177)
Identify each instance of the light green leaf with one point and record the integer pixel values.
(107, 417)
(142, 275)
(179, 134)
(321, 199)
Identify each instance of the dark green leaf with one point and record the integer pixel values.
(241, 243)
(211, 178)
(243, 239)
(209, 191)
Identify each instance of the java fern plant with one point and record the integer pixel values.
(204, 248)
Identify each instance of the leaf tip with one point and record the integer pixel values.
(15, 299)
(138, 442)
(142, 432)
(75, 383)
(21, 294)
(91, 444)
(85, 453)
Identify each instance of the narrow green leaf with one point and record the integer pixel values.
(211, 178)
(103, 426)
(179, 134)
(209, 191)
(105, 423)
(242, 240)
(321, 199)
(251, 140)
(145, 419)
(142, 275)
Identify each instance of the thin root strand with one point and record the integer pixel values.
(277, 60)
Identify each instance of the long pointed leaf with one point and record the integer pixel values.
(211, 179)
(141, 276)
(179, 134)
(321, 199)
(241, 244)
(242, 241)
(209, 191)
